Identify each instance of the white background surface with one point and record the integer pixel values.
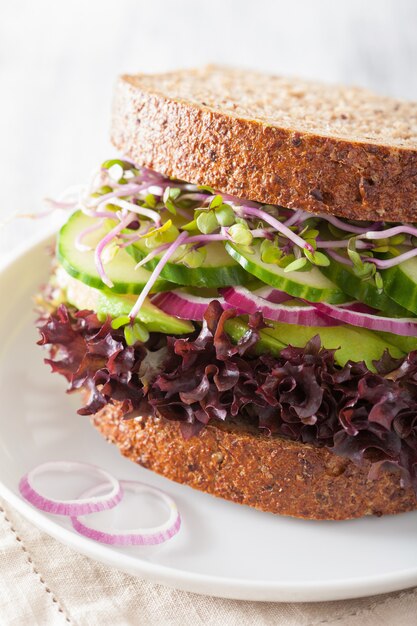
(59, 61)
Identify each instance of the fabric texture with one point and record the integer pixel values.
(45, 583)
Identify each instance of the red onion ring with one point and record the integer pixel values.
(404, 326)
(139, 536)
(184, 305)
(246, 301)
(81, 506)
(272, 295)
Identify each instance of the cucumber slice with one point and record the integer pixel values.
(218, 270)
(80, 265)
(362, 290)
(352, 344)
(400, 283)
(311, 285)
(115, 305)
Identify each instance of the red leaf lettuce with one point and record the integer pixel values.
(301, 395)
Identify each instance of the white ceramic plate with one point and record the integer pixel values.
(222, 549)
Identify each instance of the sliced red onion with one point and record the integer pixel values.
(81, 506)
(139, 536)
(272, 295)
(355, 305)
(399, 326)
(247, 302)
(185, 305)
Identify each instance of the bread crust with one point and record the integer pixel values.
(246, 467)
(249, 158)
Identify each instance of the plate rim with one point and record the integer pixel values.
(219, 586)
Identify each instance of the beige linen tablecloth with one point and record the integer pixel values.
(43, 582)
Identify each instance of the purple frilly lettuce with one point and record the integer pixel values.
(301, 395)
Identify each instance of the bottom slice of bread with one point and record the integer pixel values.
(232, 461)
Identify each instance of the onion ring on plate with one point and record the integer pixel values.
(80, 506)
(139, 536)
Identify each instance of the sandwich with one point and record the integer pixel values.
(235, 295)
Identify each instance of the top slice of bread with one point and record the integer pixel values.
(339, 150)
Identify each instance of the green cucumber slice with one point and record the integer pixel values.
(362, 290)
(218, 270)
(352, 344)
(311, 285)
(116, 305)
(400, 283)
(80, 265)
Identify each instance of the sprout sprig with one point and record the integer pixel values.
(178, 220)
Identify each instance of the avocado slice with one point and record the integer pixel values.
(117, 305)
(352, 344)
(154, 319)
(407, 344)
(236, 328)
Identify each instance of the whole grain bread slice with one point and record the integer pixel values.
(339, 150)
(231, 461)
